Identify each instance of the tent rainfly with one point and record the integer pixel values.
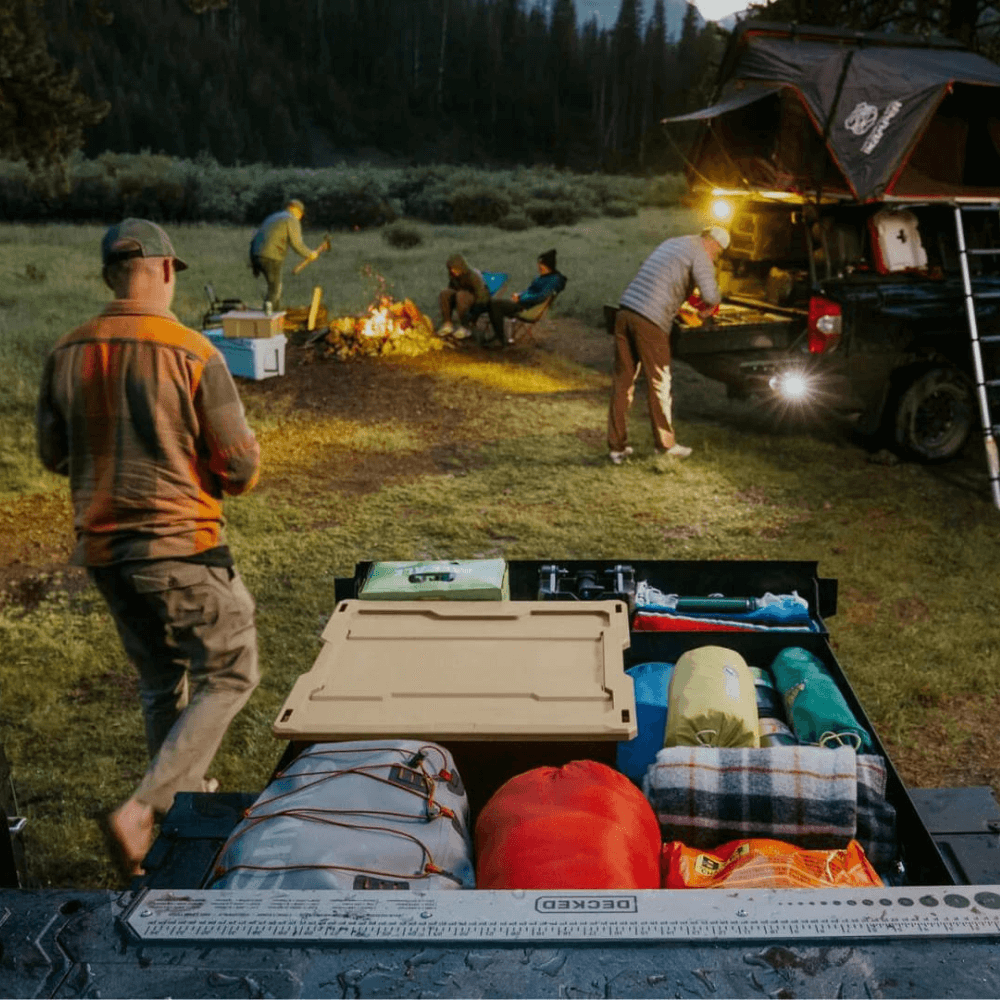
(864, 116)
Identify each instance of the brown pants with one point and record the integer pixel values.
(640, 344)
(183, 626)
(461, 301)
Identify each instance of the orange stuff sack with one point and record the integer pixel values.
(765, 864)
(580, 826)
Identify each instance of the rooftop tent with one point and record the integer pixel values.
(900, 116)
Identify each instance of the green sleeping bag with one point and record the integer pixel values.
(712, 701)
(817, 712)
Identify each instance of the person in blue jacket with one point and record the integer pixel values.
(549, 282)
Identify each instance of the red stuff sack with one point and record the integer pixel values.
(581, 826)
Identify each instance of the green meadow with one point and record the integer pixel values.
(503, 456)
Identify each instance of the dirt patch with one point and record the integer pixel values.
(858, 607)
(910, 610)
(27, 586)
(119, 690)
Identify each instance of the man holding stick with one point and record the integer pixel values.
(270, 244)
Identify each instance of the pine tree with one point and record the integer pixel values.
(43, 111)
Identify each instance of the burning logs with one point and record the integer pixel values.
(388, 327)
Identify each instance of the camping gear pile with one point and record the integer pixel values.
(708, 789)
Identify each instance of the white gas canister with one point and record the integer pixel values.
(896, 243)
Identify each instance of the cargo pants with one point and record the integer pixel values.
(189, 631)
(458, 300)
(640, 345)
(271, 269)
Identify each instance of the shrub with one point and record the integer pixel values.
(544, 212)
(665, 191)
(478, 204)
(618, 208)
(402, 235)
(515, 222)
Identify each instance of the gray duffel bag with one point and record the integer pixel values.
(372, 814)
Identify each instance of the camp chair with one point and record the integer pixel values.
(478, 320)
(522, 324)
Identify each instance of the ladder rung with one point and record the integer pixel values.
(991, 207)
(991, 339)
(992, 383)
(984, 295)
(983, 252)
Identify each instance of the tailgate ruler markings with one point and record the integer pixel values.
(328, 916)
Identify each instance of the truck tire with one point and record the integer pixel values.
(935, 414)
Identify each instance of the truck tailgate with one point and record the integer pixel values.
(736, 328)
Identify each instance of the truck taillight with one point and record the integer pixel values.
(825, 325)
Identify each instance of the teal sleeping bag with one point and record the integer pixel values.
(817, 711)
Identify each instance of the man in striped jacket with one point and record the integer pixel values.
(642, 333)
(144, 418)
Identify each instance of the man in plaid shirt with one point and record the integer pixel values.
(144, 418)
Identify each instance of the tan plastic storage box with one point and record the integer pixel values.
(249, 323)
(466, 670)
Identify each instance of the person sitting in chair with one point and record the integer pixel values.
(466, 294)
(548, 283)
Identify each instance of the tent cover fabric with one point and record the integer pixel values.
(867, 116)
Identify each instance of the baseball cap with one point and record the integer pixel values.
(720, 235)
(137, 238)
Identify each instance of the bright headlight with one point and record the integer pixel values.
(790, 386)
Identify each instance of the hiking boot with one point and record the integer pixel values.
(679, 451)
(618, 457)
(445, 330)
(460, 333)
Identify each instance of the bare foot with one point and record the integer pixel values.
(130, 835)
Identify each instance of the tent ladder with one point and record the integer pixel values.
(983, 385)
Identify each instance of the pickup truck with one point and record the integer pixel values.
(858, 176)
(809, 322)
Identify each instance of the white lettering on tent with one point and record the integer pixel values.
(861, 119)
(891, 110)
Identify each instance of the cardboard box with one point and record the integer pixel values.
(467, 670)
(251, 357)
(252, 323)
(443, 580)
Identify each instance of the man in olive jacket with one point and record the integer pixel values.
(270, 244)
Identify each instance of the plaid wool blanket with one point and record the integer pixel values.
(813, 797)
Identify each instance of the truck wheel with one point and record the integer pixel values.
(935, 415)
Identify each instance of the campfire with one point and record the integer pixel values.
(389, 327)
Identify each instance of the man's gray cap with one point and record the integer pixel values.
(137, 238)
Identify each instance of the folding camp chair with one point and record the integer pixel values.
(521, 326)
(494, 281)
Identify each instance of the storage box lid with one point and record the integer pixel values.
(250, 314)
(463, 670)
(449, 579)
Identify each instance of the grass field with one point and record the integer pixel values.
(498, 457)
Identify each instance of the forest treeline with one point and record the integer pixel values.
(313, 82)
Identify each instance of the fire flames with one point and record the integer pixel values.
(389, 327)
